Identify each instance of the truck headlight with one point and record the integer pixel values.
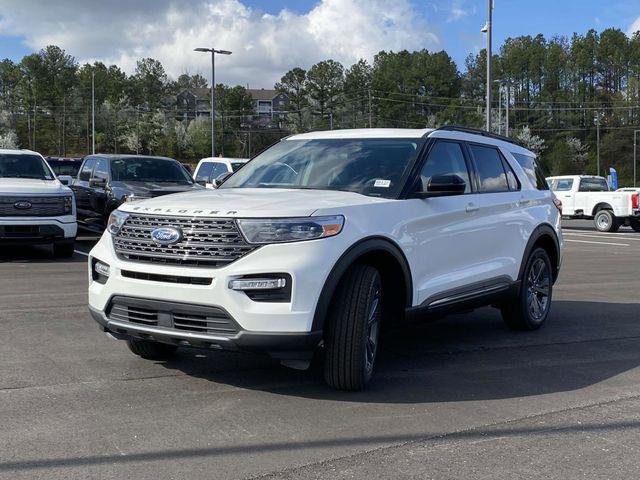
(68, 204)
(278, 230)
(116, 221)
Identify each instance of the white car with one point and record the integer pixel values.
(589, 197)
(323, 237)
(35, 208)
(210, 168)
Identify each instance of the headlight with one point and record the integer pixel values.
(276, 230)
(68, 204)
(116, 220)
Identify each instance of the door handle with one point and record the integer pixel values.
(471, 208)
(521, 202)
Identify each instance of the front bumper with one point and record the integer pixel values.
(21, 231)
(282, 346)
(274, 327)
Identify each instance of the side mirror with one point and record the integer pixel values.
(98, 182)
(221, 178)
(65, 179)
(443, 186)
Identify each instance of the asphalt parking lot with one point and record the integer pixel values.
(460, 398)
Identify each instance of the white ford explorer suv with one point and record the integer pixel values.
(35, 208)
(323, 237)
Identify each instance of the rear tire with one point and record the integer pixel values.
(530, 309)
(606, 221)
(353, 329)
(63, 249)
(151, 350)
(635, 224)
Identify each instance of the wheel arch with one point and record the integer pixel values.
(546, 237)
(380, 252)
(601, 206)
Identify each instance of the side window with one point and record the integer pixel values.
(532, 169)
(491, 174)
(204, 172)
(101, 170)
(87, 168)
(563, 185)
(593, 185)
(446, 158)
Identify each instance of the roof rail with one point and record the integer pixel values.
(478, 131)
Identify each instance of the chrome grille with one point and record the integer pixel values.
(40, 206)
(206, 242)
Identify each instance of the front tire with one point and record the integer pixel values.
(530, 309)
(151, 350)
(606, 221)
(354, 329)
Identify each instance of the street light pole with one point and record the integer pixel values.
(93, 113)
(488, 27)
(213, 52)
(598, 142)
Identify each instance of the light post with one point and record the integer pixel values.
(598, 142)
(213, 91)
(487, 29)
(635, 148)
(93, 112)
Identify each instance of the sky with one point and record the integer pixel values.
(268, 37)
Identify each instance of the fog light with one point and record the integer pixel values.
(257, 283)
(102, 269)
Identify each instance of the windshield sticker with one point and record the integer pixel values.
(382, 183)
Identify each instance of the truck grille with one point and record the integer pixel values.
(206, 242)
(186, 318)
(40, 206)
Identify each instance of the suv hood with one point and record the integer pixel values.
(31, 186)
(154, 189)
(249, 202)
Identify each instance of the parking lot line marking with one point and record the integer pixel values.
(599, 235)
(593, 232)
(81, 253)
(597, 243)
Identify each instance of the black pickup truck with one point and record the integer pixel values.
(106, 181)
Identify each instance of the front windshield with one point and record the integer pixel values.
(143, 169)
(374, 167)
(23, 166)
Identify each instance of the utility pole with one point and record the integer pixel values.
(213, 52)
(635, 156)
(598, 142)
(506, 125)
(137, 130)
(499, 82)
(93, 113)
(370, 115)
(35, 114)
(488, 27)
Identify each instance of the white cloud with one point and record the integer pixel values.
(264, 45)
(634, 27)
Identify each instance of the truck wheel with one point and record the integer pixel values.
(353, 324)
(151, 350)
(530, 309)
(63, 249)
(606, 221)
(635, 224)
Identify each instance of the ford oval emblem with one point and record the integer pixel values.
(22, 205)
(166, 235)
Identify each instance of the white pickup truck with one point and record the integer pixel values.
(588, 196)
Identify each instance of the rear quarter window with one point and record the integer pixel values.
(533, 170)
(562, 185)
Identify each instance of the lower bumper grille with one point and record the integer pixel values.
(179, 316)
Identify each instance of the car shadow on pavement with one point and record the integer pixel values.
(34, 254)
(461, 358)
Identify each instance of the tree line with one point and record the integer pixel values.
(561, 92)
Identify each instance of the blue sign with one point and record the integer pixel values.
(614, 178)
